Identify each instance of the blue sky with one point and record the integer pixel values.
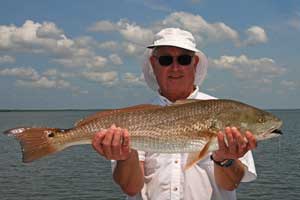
(87, 54)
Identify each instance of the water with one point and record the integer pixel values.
(80, 173)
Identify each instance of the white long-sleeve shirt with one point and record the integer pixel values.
(166, 179)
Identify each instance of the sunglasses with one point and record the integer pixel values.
(181, 60)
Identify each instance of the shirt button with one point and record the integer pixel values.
(176, 161)
(175, 188)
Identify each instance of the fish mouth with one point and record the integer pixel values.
(277, 131)
(272, 132)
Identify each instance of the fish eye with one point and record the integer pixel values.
(261, 120)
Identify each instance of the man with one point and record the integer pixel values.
(175, 68)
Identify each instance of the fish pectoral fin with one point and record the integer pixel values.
(101, 114)
(194, 157)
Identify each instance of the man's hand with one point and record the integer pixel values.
(112, 143)
(237, 145)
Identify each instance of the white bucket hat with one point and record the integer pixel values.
(177, 38)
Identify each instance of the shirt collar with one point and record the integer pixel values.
(164, 101)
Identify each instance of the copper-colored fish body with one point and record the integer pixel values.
(186, 126)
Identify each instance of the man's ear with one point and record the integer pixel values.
(196, 58)
(152, 61)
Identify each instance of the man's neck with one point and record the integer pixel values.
(175, 97)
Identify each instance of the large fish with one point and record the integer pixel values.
(186, 126)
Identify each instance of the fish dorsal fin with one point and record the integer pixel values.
(185, 101)
(105, 113)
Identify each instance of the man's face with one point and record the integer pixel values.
(176, 81)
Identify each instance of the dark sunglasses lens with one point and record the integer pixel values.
(184, 59)
(165, 60)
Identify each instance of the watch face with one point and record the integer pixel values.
(224, 163)
(228, 163)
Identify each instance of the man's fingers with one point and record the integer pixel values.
(126, 143)
(97, 140)
(113, 143)
(221, 141)
(116, 142)
(107, 142)
(240, 142)
(251, 140)
(231, 140)
(125, 137)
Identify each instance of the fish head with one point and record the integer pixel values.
(262, 124)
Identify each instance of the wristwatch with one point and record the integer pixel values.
(223, 163)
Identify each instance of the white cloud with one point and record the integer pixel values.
(22, 72)
(55, 74)
(49, 30)
(85, 42)
(135, 34)
(201, 28)
(29, 77)
(107, 78)
(94, 62)
(115, 59)
(206, 32)
(47, 38)
(50, 72)
(31, 37)
(44, 82)
(7, 59)
(103, 26)
(133, 79)
(246, 68)
(132, 49)
(109, 45)
(129, 31)
(135, 37)
(255, 35)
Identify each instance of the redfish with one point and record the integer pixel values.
(189, 126)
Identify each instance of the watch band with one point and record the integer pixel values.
(223, 163)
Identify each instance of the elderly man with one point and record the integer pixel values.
(175, 68)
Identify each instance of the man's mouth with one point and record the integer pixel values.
(175, 77)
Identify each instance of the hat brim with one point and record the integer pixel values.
(174, 45)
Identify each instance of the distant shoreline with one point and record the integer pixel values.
(47, 110)
(95, 109)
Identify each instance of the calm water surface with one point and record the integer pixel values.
(80, 173)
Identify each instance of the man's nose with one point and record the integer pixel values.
(175, 65)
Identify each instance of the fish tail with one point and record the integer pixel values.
(35, 142)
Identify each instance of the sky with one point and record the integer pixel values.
(64, 54)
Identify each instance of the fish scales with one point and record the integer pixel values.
(168, 130)
(171, 130)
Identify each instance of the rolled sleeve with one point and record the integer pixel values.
(250, 171)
